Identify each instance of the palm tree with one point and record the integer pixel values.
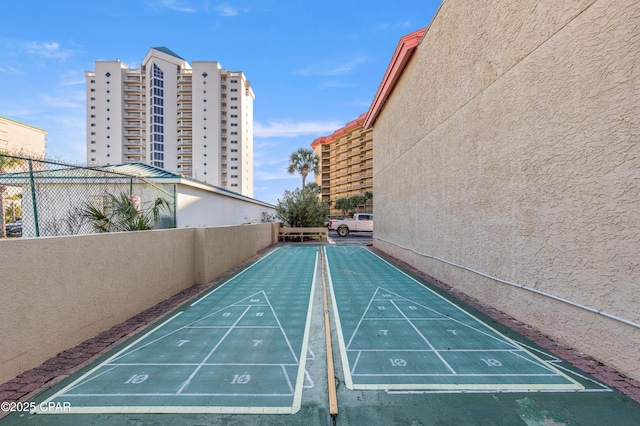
(303, 161)
(6, 163)
(122, 212)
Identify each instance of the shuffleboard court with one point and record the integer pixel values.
(394, 333)
(240, 348)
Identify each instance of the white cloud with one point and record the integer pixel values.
(177, 5)
(271, 175)
(47, 49)
(68, 101)
(394, 25)
(364, 103)
(328, 69)
(332, 84)
(287, 129)
(225, 9)
(8, 69)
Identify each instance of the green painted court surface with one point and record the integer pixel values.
(238, 349)
(395, 333)
(254, 346)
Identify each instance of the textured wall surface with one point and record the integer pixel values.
(511, 146)
(56, 292)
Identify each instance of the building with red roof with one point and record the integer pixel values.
(346, 163)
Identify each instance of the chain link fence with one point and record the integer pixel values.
(45, 198)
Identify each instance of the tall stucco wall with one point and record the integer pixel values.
(510, 146)
(56, 292)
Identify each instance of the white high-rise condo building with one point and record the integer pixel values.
(196, 119)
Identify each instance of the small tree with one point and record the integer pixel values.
(348, 205)
(124, 213)
(342, 204)
(303, 161)
(302, 208)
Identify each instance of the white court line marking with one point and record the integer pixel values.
(184, 394)
(98, 375)
(235, 276)
(248, 307)
(189, 325)
(361, 318)
(451, 375)
(355, 363)
(240, 326)
(574, 385)
(343, 350)
(422, 392)
(445, 317)
(308, 378)
(284, 371)
(188, 381)
(194, 364)
(302, 368)
(78, 381)
(545, 365)
(444, 361)
(388, 297)
(555, 360)
(210, 409)
(412, 319)
(429, 350)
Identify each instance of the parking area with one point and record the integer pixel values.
(252, 351)
(364, 238)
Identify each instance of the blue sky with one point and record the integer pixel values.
(314, 66)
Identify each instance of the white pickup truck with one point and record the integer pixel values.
(361, 222)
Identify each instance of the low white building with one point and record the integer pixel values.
(52, 200)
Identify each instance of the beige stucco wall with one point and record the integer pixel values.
(224, 247)
(56, 292)
(510, 146)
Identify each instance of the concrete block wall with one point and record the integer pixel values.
(56, 292)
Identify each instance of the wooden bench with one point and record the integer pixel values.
(301, 233)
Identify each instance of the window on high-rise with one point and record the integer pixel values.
(157, 117)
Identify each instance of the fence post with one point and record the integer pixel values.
(33, 198)
(175, 207)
